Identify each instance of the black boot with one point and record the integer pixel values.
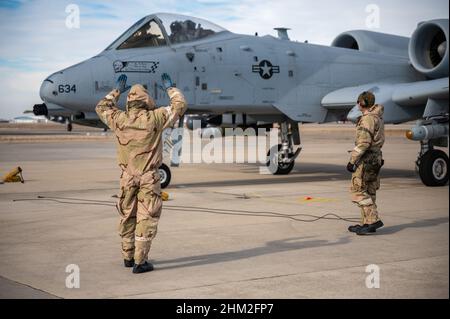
(354, 228)
(137, 269)
(128, 263)
(372, 228)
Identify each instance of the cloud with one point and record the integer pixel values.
(36, 42)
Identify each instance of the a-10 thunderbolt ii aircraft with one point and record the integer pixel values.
(244, 80)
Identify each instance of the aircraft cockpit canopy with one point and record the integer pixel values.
(148, 35)
(185, 29)
(163, 29)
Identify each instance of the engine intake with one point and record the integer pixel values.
(369, 41)
(428, 48)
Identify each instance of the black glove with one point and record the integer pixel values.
(351, 167)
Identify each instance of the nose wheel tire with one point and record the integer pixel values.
(433, 168)
(164, 172)
(282, 168)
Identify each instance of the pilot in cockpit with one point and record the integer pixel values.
(176, 32)
(185, 31)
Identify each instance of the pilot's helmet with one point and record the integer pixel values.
(366, 99)
(190, 25)
(175, 26)
(139, 93)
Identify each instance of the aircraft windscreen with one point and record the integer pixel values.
(184, 28)
(128, 30)
(149, 35)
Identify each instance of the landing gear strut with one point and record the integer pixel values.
(432, 165)
(68, 125)
(281, 157)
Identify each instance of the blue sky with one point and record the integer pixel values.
(35, 41)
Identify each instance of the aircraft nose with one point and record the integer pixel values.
(48, 91)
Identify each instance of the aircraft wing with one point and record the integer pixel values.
(403, 94)
(344, 99)
(418, 93)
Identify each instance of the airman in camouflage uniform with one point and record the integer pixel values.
(139, 150)
(365, 163)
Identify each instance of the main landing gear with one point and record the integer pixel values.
(432, 165)
(281, 157)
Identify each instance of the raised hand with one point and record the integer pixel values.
(166, 81)
(121, 84)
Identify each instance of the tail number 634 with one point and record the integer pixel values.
(67, 88)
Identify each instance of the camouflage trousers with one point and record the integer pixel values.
(139, 207)
(364, 186)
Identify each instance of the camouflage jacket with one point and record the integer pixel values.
(139, 130)
(369, 133)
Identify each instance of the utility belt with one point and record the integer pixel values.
(373, 150)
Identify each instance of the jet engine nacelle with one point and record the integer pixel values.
(428, 48)
(369, 41)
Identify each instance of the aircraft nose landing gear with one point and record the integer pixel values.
(68, 125)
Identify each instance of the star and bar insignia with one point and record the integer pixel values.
(265, 69)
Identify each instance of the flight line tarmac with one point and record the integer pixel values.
(226, 232)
